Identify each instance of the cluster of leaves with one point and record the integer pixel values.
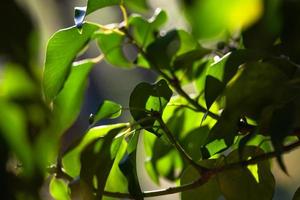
(242, 66)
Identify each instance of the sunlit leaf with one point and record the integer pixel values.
(67, 104)
(116, 181)
(107, 110)
(71, 161)
(59, 189)
(62, 49)
(111, 45)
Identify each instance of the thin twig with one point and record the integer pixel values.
(179, 148)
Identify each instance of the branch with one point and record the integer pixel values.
(207, 175)
(179, 148)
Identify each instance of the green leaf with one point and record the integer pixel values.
(71, 160)
(163, 50)
(12, 89)
(252, 182)
(256, 84)
(149, 140)
(208, 191)
(97, 159)
(137, 5)
(143, 31)
(62, 49)
(13, 130)
(146, 98)
(297, 195)
(116, 181)
(59, 189)
(128, 168)
(67, 105)
(213, 88)
(280, 126)
(107, 110)
(111, 45)
(194, 140)
(94, 5)
(221, 72)
(187, 59)
(188, 133)
(133, 142)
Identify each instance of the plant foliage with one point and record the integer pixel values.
(226, 101)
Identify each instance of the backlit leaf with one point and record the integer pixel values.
(62, 49)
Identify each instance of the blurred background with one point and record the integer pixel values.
(106, 82)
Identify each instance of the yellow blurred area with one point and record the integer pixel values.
(214, 18)
(241, 14)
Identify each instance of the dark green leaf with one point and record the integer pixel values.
(111, 45)
(94, 5)
(187, 59)
(208, 191)
(255, 85)
(252, 182)
(163, 50)
(146, 98)
(62, 49)
(221, 72)
(107, 110)
(281, 125)
(129, 169)
(143, 31)
(297, 195)
(97, 159)
(213, 88)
